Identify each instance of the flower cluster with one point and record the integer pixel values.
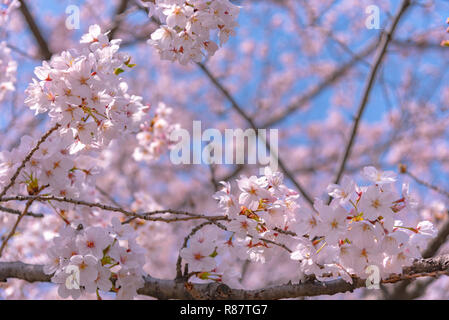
(263, 206)
(84, 94)
(51, 168)
(96, 258)
(8, 68)
(445, 43)
(6, 7)
(154, 136)
(361, 226)
(83, 91)
(186, 27)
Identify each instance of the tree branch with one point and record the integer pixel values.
(383, 45)
(321, 86)
(43, 46)
(118, 17)
(172, 289)
(400, 291)
(253, 125)
(437, 189)
(18, 212)
(149, 216)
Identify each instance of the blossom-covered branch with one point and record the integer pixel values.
(172, 289)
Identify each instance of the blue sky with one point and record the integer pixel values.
(392, 70)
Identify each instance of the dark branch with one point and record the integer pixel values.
(43, 46)
(172, 289)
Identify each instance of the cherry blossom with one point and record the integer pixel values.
(343, 191)
(374, 203)
(253, 189)
(379, 177)
(99, 257)
(198, 256)
(338, 240)
(84, 92)
(154, 136)
(186, 26)
(51, 168)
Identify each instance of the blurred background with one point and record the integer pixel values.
(294, 65)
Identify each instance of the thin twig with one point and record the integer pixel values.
(283, 246)
(18, 212)
(427, 184)
(149, 216)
